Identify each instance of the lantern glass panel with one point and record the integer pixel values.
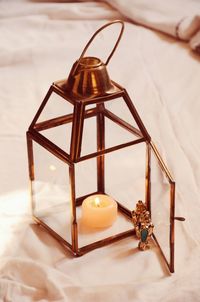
(160, 205)
(51, 201)
(116, 135)
(55, 121)
(125, 175)
(124, 182)
(119, 108)
(118, 123)
(86, 177)
(89, 138)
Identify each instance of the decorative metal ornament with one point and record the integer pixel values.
(142, 224)
(89, 90)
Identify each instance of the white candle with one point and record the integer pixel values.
(99, 211)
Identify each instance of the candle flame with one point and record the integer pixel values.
(97, 201)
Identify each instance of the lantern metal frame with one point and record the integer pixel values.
(77, 119)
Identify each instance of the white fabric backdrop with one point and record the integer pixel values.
(38, 46)
(180, 19)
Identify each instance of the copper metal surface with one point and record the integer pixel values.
(97, 32)
(148, 178)
(88, 76)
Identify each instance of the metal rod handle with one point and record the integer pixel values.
(95, 34)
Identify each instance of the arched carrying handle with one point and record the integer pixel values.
(95, 34)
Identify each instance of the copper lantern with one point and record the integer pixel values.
(72, 140)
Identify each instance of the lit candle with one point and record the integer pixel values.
(99, 211)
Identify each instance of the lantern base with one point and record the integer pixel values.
(73, 249)
(101, 243)
(87, 248)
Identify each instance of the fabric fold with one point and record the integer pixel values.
(180, 19)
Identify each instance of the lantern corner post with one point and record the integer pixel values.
(148, 177)
(74, 225)
(100, 147)
(29, 141)
(172, 224)
(75, 151)
(77, 131)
